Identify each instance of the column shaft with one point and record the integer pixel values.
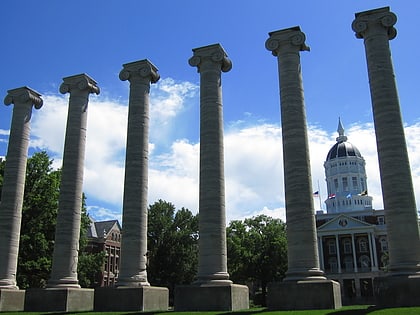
(66, 247)
(376, 28)
(353, 247)
(303, 261)
(14, 182)
(134, 243)
(337, 245)
(212, 267)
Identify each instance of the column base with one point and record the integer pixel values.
(59, 300)
(146, 298)
(12, 300)
(205, 297)
(397, 291)
(303, 295)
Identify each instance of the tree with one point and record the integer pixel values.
(172, 245)
(39, 213)
(257, 251)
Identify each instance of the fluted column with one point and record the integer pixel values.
(14, 181)
(134, 243)
(66, 247)
(212, 267)
(376, 29)
(303, 262)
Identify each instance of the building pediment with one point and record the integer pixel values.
(343, 222)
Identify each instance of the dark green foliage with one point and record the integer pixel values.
(39, 213)
(90, 265)
(172, 245)
(257, 251)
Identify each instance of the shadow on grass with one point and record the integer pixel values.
(355, 311)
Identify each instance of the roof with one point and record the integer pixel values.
(102, 228)
(344, 223)
(342, 148)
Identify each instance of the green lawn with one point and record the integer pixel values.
(347, 310)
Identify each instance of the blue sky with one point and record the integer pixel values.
(45, 41)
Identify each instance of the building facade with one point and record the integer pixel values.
(352, 236)
(105, 236)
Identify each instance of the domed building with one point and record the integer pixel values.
(346, 177)
(352, 237)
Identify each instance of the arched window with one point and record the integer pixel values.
(347, 246)
(363, 246)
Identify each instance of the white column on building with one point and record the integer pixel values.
(372, 250)
(353, 247)
(321, 253)
(337, 244)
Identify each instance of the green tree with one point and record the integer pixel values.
(172, 245)
(257, 251)
(39, 212)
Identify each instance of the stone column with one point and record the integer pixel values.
(376, 29)
(134, 243)
(66, 247)
(13, 189)
(303, 261)
(133, 292)
(213, 290)
(212, 266)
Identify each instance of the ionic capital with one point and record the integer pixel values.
(211, 56)
(375, 21)
(23, 95)
(142, 69)
(289, 39)
(79, 83)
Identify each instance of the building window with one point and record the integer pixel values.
(384, 244)
(347, 246)
(331, 247)
(345, 184)
(348, 263)
(362, 183)
(332, 262)
(381, 220)
(364, 263)
(336, 184)
(363, 246)
(354, 180)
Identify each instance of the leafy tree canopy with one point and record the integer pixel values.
(172, 245)
(257, 251)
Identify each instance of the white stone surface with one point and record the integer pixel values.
(14, 181)
(66, 246)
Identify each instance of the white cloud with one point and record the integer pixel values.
(103, 214)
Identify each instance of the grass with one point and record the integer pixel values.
(346, 310)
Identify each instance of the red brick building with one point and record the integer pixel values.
(106, 236)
